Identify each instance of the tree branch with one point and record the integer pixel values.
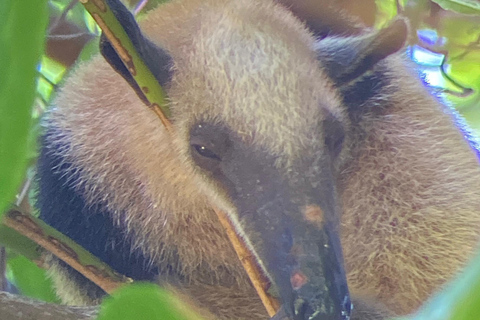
(14, 307)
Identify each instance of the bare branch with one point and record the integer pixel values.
(65, 249)
(14, 307)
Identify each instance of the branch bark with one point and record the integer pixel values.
(14, 307)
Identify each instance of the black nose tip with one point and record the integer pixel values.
(304, 310)
(307, 311)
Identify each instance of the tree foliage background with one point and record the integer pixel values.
(445, 44)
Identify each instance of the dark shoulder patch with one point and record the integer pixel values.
(64, 208)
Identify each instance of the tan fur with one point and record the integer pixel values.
(411, 193)
(70, 293)
(411, 201)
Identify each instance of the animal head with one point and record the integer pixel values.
(260, 121)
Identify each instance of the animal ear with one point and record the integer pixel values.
(157, 60)
(349, 58)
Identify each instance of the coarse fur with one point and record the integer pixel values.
(409, 184)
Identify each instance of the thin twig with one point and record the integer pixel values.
(69, 36)
(259, 281)
(139, 6)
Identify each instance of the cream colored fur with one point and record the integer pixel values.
(411, 192)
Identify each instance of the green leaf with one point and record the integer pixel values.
(386, 10)
(90, 49)
(472, 114)
(460, 6)
(22, 32)
(30, 279)
(144, 301)
(46, 233)
(20, 244)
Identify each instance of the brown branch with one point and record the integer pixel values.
(65, 249)
(14, 307)
(259, 281)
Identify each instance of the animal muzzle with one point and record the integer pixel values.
(302, 253)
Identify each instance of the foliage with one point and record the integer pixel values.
(460, 6)
(144, 301)
(446, 46)
(21, 38)
(29, 279)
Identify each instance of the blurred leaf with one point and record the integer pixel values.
(144, 301)
(460, 31)
(466, 73)
(77, 14)
(22, 34)
(471, 113)
(460, 6)
(92, 48)
(18, 243)
(30, 279)
(386, 10)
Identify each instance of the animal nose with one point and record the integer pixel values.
(308, 266)
(304, 310)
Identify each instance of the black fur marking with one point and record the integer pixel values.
(357, 65)
(157, 60)
(64, 208)
(366, 88)
(349, 58)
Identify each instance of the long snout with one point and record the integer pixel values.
(303, 255)
(289, 219)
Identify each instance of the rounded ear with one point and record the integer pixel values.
(157, 59)
(347, 59)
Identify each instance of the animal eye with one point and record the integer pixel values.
(205, 152)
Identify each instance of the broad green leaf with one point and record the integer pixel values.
(472, 115)
(22, 34)
(30, 279)
(20, 244)
(461, 32)
(460, 6)
(144, 301)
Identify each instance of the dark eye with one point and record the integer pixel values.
(205, 152)
(209, 146)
